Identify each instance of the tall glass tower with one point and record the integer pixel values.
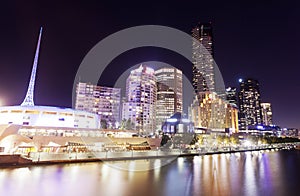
(203, 53)
(249, 104)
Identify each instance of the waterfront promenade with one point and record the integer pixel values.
(35, 158)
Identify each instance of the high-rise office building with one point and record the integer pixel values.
(249, 104)
(266, 113)
(231, 95)
(169, 94)
(140, 105)
(104, 101)
(203, 53)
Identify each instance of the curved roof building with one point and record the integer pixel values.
(28, 114)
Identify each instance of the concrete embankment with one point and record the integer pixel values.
(15, 159)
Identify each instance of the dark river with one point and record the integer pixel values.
(257, 173)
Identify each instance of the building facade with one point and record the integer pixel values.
(212, 113)
(169, 94)
(177, 124)
(231, 95)
(140, 104)
(266, 112)
(48, 116)
(289, 132)
(203, 53)
(249, 104)
(104, 101)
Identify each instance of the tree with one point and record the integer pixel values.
(164, 140)
(220, 139)
(234, 140)
(103, 124)
(200, 139)
(123, 124)
(226, 140)
(127, 124)
(194, 140)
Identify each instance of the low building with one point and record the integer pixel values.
(177, 124)
(48, 116)
(289, 132)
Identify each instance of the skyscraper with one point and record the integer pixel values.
(249, 104)
(231, 95)
(169, 94)
(104, 101)
(140, 105)
(266, 113)
(203, 53)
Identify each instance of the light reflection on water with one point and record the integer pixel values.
(251, 173)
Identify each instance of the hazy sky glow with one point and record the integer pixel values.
(258, 40)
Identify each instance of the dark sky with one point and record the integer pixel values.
(255, 39)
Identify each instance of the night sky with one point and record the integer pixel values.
(256, 39)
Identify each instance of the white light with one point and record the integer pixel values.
(240, 80)
(172, 120)
(185, 120)
(260, 127)
(247, 143)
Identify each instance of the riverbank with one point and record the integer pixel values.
(68, 158)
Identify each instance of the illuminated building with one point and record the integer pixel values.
(22, 123)
(48, 116)
(140, 105)
(289, 132)
(28, 114)
(177, 124)
(212, 113)
(231, 95)
(104, 101)
(30, 128)
(203, 68)
(249, 104)
(169, 94)
(266, 113)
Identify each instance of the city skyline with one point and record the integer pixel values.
(59, 60)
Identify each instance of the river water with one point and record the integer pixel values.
(250, 173)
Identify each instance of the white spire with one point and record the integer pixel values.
(28, 101)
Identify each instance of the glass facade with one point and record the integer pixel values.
(203, 53)
(140, 104)
(266, 113)
(249, 104)
(169, 94)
